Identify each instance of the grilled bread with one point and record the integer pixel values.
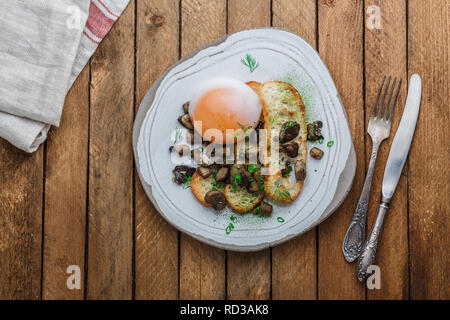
(282, 103)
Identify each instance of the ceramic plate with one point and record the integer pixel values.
(259, 55)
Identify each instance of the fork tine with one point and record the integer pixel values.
(384, 97)
(374, 109)
(389, 99)
(395, 100)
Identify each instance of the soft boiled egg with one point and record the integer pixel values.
(224, 104)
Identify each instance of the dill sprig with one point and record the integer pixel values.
(280, 193)
(250, 62)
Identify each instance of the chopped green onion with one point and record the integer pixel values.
(330, 143)
(320, 140)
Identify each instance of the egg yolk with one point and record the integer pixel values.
(222, 109)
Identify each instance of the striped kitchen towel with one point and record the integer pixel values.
(44, 45)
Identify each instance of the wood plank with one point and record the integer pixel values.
(110, 219)
(294, 264)
(156, 254)
(341, 47)
(65, 194)
(429, 206)
(248, 272)
(202, 267)
(385, 53)
(21, 191)
(248, 15)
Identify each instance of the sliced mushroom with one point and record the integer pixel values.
(185, 120)
(253, 186)
(216, 199)
(265, 209)
(316, 153)
(315, 130)
(180, 149)
(289, 131)
(181, 174)
(204, 172)
(186, 107)
(300, 170)
(238, 175)
(222, 174)
(291, 149)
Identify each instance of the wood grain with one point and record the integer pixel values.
(156, 254)
(202, 267)
(294, 263)
(21, 189)
(248, 273)
(385, 53)
(110, 219)
(249, 14)
(429, 207)
(65, 194)
(341, 47)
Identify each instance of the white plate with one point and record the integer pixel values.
(281, 55)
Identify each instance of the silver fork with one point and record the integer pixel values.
(378, 129)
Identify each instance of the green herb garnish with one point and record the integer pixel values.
(177, 135)
(252, 168)
(330, 143)
(320, 140)
(290, 124)
(250, 62)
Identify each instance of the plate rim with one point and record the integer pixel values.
(345, 181)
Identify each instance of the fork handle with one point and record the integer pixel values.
(369, 252)
(354, 238)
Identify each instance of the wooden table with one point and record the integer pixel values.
(78, 200)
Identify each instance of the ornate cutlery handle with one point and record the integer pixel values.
(369, 251)
(354, 238)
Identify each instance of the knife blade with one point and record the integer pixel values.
(402, 140)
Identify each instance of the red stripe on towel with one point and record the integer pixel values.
(98, 23)
(90, 38)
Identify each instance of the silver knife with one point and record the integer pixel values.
(394, 166)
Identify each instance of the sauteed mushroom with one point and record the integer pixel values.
(291, 149)
(253, 187)
(300, 170)
(316, 153)
(216, 199)
(289, 131)
(204, 172)
(186, 107)
(315, 130)
(181, 174)
(185, 120)
(222, 174)
(265, 209)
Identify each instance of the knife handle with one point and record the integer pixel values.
(369, 251)
(354, 238)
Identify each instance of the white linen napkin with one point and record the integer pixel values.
(44, 45)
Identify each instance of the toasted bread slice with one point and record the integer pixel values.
(241, 200)
(283, 103)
